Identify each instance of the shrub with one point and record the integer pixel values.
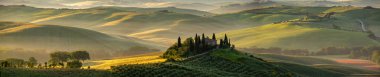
(74, 64)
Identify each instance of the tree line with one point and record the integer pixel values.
(19, 63)
(62, 59)
(278, 50)
(197, 45)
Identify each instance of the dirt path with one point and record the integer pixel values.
(362, 25)
(359, 63)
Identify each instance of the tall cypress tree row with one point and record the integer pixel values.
(199, 44)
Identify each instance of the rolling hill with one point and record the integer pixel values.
(345, 17)
(232, 8)
(221, 63)
(84, 18)
(159, 25)
(23, 38)
(284, 27)
(155, 24)
(292, 36)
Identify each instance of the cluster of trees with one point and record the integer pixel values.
(334, 51)
(368, 53)
(376, 56)
(19, 63)
(199, 44)
(70, 59)
(277, 50)
(354, 52)
(363, 52)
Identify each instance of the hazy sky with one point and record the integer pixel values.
(129, 3)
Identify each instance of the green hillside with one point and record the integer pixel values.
(220, 63)
(345, 17)
(261, 16)
(50, 38)
(292, 36)
(296, 59)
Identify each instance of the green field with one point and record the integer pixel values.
(292, 36)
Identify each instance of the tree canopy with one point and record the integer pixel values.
(80, 55)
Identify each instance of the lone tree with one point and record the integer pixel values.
(32, 62)
(80, 55)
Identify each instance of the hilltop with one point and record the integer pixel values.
(20, 38)
(203, 56)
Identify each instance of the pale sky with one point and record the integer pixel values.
(126, 3)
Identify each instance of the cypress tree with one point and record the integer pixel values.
(195, 39)
(196, 44)
(179, 42)
(225, 42)
(213, 36)
(191, 44)
(199, 41)
(221, 43)
(203, 39)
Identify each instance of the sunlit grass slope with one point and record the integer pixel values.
(291, 36)
(137, 59)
